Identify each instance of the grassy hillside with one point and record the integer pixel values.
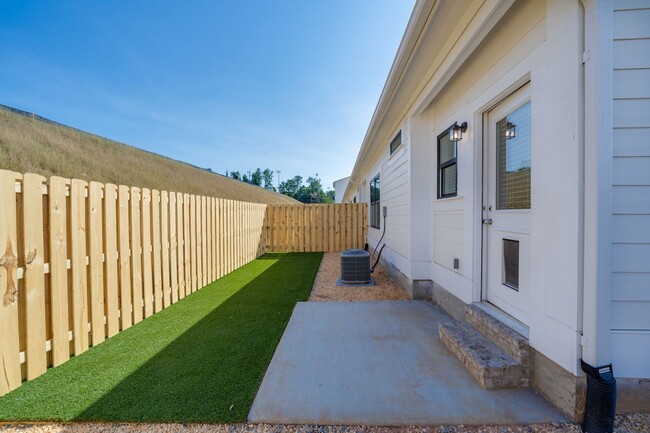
(31, 145)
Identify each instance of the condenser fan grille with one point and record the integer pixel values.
(355, 267)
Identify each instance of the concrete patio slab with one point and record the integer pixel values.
(380, 363)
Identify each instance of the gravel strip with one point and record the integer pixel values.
(635, 423)
(326, 290)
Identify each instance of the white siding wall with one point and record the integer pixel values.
(394, 195)
(542, 42)
(630, 260)
(507, 55)
(448, 240)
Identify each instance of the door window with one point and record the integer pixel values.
(513, 160)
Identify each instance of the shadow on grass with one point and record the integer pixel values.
(210, 372)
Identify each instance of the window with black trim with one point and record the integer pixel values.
(374, 202)
(396, 143)
(447, 168)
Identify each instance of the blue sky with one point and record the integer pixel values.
(290, 85)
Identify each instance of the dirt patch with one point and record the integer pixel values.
(326, 290)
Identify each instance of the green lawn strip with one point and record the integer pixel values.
(200, 360)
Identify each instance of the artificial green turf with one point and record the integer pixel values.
(200, 360)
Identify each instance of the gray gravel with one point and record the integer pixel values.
(636, 423)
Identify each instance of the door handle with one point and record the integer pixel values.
(487, 221)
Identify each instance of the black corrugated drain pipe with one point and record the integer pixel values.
(600, 407)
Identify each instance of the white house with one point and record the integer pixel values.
(538, 209)
(339, 188)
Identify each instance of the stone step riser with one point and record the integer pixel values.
(505, 338)
(487, 364)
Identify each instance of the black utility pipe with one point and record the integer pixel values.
(600, 407)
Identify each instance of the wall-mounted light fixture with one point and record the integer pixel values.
(511, 130)
(456, 131)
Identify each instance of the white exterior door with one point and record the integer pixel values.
(507, 205)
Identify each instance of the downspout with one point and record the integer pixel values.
(597, 215)
(598, 104)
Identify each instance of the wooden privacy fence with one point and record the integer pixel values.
(82, 261)
(316, 227)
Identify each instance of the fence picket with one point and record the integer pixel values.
(79, 275)
(136, 256)
(58, 214)
(34, 277)
(96, 259)
(204, 243)
(186, 244)
(111, 264)
(155, 245)
(147, 260)
(193, 241)
(10, 378)
(180, 245)
(164, 245)
(173, 247)
(124, 255)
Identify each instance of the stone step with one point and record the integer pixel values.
(508, 340)
(487, 364)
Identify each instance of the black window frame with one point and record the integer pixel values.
(446, 164)
(396, 142)
(375, 202)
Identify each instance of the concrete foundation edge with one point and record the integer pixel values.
(632, 395)
(416, 289)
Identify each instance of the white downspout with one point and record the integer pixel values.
(598, 131)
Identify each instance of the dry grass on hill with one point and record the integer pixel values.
(31, 146)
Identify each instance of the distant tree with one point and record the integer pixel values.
(246, 178)
(267, 177)
(291, 186)
(330, 196)
(256, 177)
(235, 175)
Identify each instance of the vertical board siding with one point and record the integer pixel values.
(83, 261)
(314, 227)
